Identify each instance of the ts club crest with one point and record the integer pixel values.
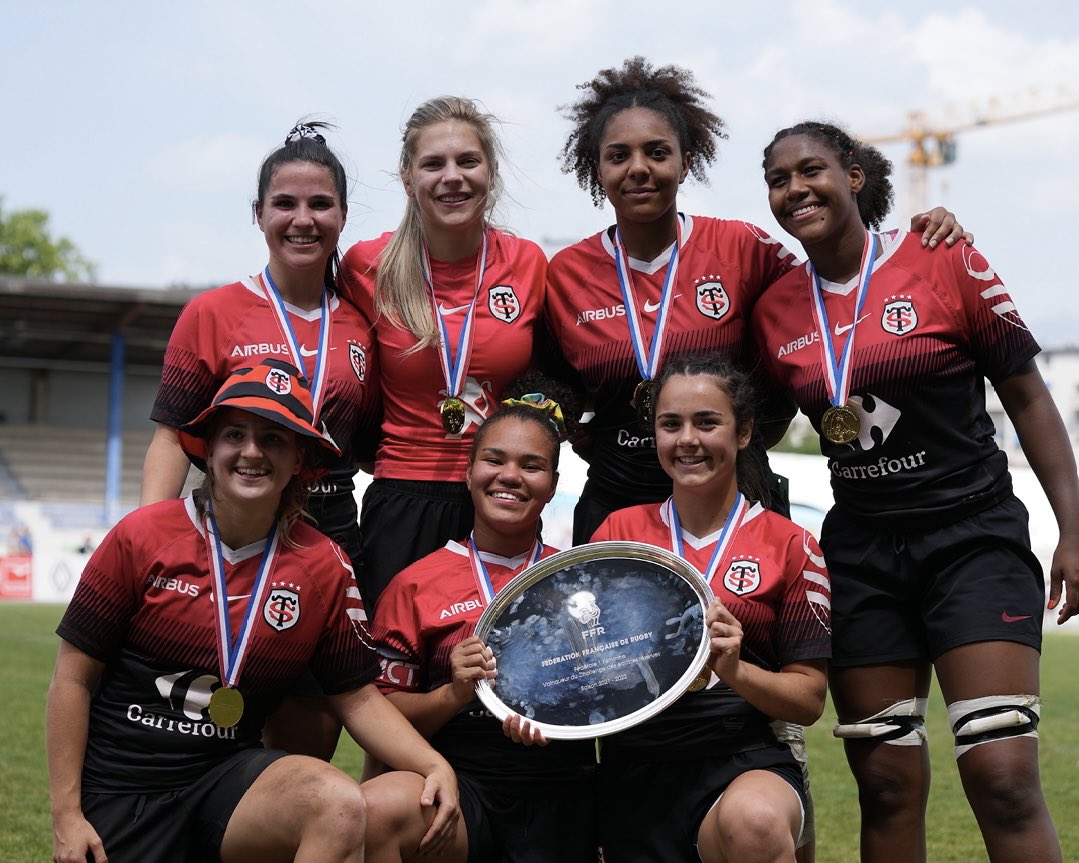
(282, 607)
(743, 576)
(503, 304)
(712, 299)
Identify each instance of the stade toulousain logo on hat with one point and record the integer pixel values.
(279, 381)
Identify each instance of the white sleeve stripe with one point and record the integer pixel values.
(1004, 308)
(819, 599)
(817, 578)
(994, 291)
(353, 592)
(357, 614)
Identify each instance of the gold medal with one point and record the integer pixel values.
(699, 682)
(226, 706)
(840, 425)
(452, 412)
(642, 400)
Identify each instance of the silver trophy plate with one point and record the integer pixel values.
(595, 639)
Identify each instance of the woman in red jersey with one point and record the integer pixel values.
(454, 302)
(927, 545)
(520, 804)
(290, 311)
(191, 618)
(707, 779)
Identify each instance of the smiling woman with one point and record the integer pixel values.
(455, 303)
(288, 311)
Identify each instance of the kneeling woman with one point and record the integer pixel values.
(709, 772)
(519, 803)
(156, 706)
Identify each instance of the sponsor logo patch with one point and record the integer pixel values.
(899, 316)
(279, 382)
(712, 299)
(358, 357)
(282, 607)
(743, 576)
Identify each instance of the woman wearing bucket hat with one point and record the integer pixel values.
(191, 618)
(289, 311)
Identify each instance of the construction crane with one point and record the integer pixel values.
(933, 145)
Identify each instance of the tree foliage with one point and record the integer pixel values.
(27, 249)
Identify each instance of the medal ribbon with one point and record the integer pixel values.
(647, 363)
(454, 362)
(231, 654)
(322, 355)
(837, 375)
(730, 528)
(479, 569)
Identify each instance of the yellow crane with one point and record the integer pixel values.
(933, 145)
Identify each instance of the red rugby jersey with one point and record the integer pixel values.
(724, 266)
(414, 444)
(234, 327)
(427, 610)
(933, 326)
(773, 579)
(143, 606)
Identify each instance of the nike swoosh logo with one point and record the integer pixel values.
(304, 352)
(654, 307)
(1008, 618)
(840, 330)
(446, 311)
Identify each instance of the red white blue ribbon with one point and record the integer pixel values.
(231, 653)
(730, 529)
(479, 569)
(647, 362)
(322, 354)
(454, 362)
(837, 375)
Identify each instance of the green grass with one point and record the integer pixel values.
(28, 649)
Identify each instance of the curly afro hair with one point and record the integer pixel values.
(669, 91)
(876, 197)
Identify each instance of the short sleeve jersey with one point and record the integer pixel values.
(772, 578)
(933, 326)
(414, 444)
(144, 607)
(234, 327)
(427, 610)
(723, 268)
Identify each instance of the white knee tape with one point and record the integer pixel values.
(902, 724)
(994, 717)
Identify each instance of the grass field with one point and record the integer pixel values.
(28, 648)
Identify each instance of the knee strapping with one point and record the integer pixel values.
(902, 724)
(994, 717)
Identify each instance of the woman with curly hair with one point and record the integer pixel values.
(927, 545)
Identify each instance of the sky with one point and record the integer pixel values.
(140, 127)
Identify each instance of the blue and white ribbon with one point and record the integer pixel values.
(231, 654)
(647, 362)
(479, 569)
(837, 375)
(455, 362)
(730, 529)
(322, 354)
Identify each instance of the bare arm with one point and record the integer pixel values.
(1048, 450)
(164, 469)
(793, 694)
(386, 735)
(471, 662)
(67, 719)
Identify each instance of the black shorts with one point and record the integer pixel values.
(651, 811)
(511, 827)
(184, 826)
(403, 520)
(913, 596)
